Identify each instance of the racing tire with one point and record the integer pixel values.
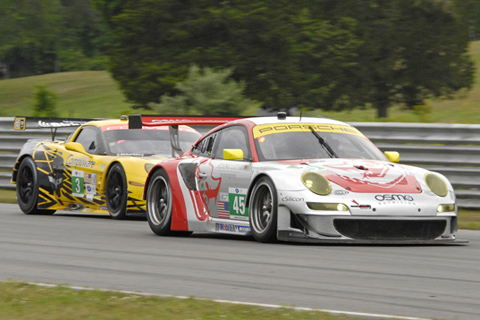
(27, 188)
(160, 204)
(263, 211)
(116, 192)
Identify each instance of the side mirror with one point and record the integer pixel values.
(77, 147)
(233, 154)
(393, 156)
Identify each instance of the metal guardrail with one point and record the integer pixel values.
(451, 149)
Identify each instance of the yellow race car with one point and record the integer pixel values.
(100, 168)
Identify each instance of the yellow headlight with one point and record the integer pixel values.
(446, 208)
(327, 206)
(316, 183)
(436, 184)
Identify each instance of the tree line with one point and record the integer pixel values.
(310, 54)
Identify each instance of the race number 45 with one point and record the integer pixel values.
(77, 183)
(238, 207)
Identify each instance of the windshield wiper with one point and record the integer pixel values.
(324, 144)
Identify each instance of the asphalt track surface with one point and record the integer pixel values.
(98, 252)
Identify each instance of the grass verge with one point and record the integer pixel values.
(26, 301)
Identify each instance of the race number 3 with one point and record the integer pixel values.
(238, 207)
(77, 183)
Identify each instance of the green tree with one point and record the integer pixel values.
(45, 102)
(207, 92)
(29, 35)
(414, 50)
(46, 36)
(325, 54)
(469, 12)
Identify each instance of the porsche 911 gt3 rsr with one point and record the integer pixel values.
(298, 179)
(99, 168)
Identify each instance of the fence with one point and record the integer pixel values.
(451, 149)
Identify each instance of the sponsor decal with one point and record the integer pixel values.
(230, 166)
(64, 123)
(262, 130)
(90, 178)
(243, 228)
(90, 189)
(74, 162)
(237, 199)
(77, 183)
(361, 206)
(393, 197)
(229, 227)
(292, 199)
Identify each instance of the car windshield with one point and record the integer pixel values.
(291, 145)
(146, 142)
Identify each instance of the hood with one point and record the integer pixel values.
(368, 176)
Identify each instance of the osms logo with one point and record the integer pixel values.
(393, 197)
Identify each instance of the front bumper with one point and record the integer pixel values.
(366, 229)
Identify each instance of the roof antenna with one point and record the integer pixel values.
(301, 111)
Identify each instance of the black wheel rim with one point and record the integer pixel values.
(26, 185)
(115, 191)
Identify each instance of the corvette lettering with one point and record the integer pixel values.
(393, 197)
(73, 162)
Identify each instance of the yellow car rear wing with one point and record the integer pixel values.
(26, 123)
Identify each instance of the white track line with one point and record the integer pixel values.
(273, 306)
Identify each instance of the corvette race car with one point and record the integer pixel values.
(298, 179)
(100, 168)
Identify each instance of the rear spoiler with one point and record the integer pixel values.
(137, 121)
(24, 123)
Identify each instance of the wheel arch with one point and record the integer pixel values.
(252, 184)
(17, 165)
(105, 174)
(147, 181)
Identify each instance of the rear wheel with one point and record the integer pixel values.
(116, 192)
(159, 204)
(27, 188)
(263, 211)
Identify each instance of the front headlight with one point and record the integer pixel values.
(327, 206)
(436, 184)
(316, 183)
(446, 208)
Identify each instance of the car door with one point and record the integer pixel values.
(82, 169)
(223, 182)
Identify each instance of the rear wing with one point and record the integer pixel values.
(136, 121)
(26, 123)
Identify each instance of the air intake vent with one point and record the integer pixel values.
(362, 229)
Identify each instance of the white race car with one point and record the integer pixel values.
(298, 179)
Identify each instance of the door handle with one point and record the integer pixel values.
(202, 175)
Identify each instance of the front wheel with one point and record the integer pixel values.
(116, 192)
(27, 188)
(263, 211)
